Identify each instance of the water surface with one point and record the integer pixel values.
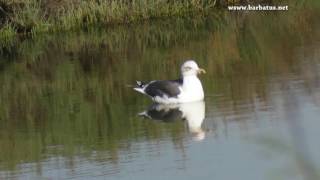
(67, 111)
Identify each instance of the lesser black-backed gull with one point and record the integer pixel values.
(188, 88)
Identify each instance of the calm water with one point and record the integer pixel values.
(67, 111)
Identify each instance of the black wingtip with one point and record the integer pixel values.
(140, 84)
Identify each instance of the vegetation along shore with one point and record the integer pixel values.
(34, 16)
(21, 17)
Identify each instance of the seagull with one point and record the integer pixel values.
(188, 88)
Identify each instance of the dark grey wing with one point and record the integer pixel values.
(161, 88)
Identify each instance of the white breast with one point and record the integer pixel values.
(191, 89)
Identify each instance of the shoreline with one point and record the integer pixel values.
(29, 18)
(34, 17)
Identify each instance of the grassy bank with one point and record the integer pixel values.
(33, 16)
(21, 17)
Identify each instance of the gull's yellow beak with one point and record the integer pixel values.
(200, 70)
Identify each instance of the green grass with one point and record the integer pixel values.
(7, 32)
(34, 16)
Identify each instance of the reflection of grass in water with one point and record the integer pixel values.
(68, 110)
(68, 89)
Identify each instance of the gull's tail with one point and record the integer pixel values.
(140, 86)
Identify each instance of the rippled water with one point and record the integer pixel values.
(67, 111)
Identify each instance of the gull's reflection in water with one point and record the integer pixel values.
(193, 113)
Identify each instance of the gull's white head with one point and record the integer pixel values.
(191, 68)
